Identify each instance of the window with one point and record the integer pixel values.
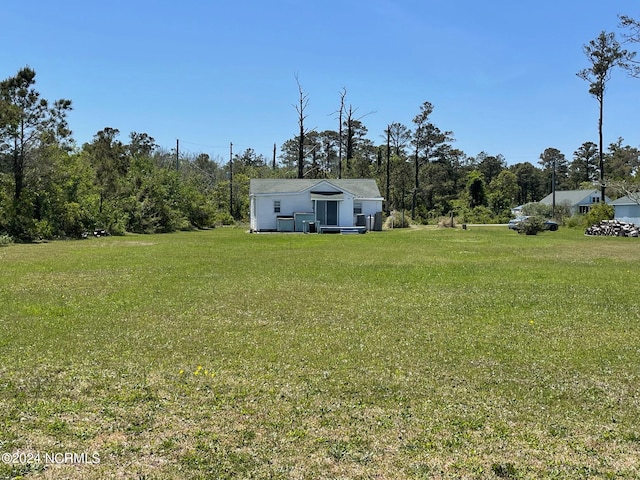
(276, 206)
(357, 208)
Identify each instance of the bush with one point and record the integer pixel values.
(5, 240)
(397, 220)
(225, 218)
(479, 214)
(599, 212)
(576, 221)
(532, 225)
(43, 229)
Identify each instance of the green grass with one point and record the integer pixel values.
(404, 354)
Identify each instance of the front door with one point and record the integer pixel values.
(327, 212)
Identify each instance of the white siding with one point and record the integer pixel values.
(266, 218)
(369, 208)
(627, 213)
(345, 212)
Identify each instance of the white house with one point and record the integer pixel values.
(578, 201)
(319, 205)
(626, 209)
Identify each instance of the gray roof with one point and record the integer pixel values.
(626, 200)
(572, 197)
(359, 187)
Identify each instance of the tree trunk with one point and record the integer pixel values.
(18, 164)
(388, 200)
(601, 151)
(301, 152)
(416, 185)
(18, 174)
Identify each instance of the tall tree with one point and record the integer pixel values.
(622, 161)
(530, 182)
(584, 166)
(476, 189)
(28, 122)
(141, 144)
(328, 143)
(490, 166)
(442, 177)
(400, 172)
(109, 158)
(604, 54)
(555, 168)
(503, 192)
(399, 137)
(426, 138)
(354, 140)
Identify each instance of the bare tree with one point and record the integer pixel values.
(303, 102)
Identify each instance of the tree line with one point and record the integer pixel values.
(50, 188)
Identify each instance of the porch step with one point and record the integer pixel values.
(342, 230)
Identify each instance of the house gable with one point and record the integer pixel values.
(579, 201)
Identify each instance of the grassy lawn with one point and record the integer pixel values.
(393, 355)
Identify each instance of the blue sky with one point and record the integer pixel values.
(500, 74)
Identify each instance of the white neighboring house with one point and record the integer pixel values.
(517, 211)
(627, 209)
(293, 204)
(578, 201)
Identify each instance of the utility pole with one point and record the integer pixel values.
(388, 165)
(231, 179)
(274, 157)
(340, 135)
(177, 154)
(553, 189)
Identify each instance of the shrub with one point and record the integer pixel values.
(599, 212)
(532, 225)
(5, 240)
(479, 214)
(576, 221)
(43, 229)
(396, 219)
(225, 218)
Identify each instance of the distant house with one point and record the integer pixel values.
(627, 209)
(320, 205)
(517, 211)
(578, 201)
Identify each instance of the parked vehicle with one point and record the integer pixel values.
(514, 224)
